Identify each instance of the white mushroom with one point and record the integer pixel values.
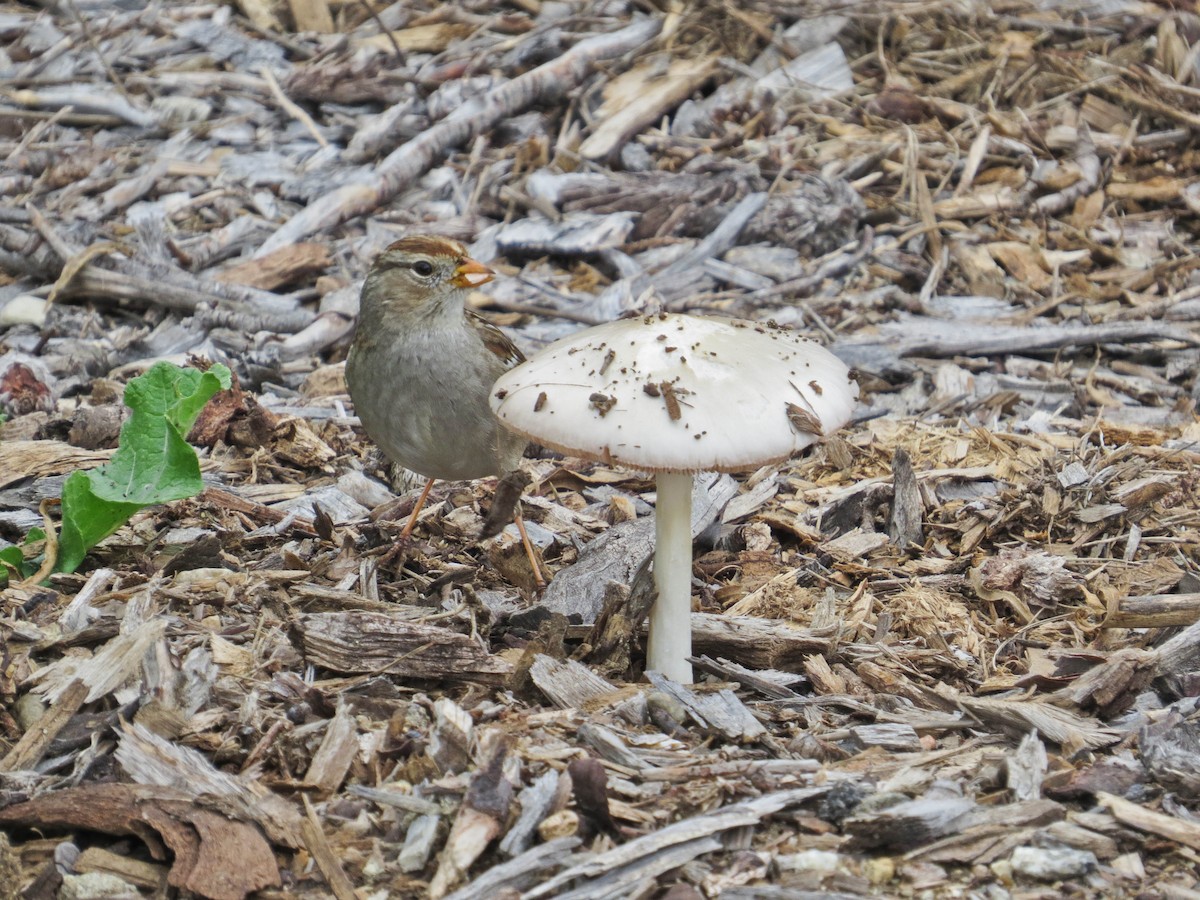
(675, 395)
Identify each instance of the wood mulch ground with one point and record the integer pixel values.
(951, 652)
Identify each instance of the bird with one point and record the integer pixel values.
(421, 367)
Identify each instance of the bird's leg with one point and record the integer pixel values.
(402, 542)
(412, 519)
(538, 580)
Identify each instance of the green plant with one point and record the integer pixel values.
(13, 564)
(153, 463)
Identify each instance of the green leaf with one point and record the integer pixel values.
(153, 464)
(11, 560)
(13, 563)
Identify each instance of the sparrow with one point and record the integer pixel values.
(421, 366)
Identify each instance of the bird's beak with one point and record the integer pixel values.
(471, 274)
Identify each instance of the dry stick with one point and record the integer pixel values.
(1155, 611)
(118, 286)
(78, 262)
(57, 243)
(1053, 337)
(719, 240)
(46, 254)
(35, 133)
(50, 555)
(95, 45)
(323, 854)
(383, 29)
(33, 744)
(293, 110)
(408, 162)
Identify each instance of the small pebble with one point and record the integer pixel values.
(1052, 863)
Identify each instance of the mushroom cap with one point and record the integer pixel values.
(676, 393)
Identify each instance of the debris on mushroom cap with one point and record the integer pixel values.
(678, 393)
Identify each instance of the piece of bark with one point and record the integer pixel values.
(589, 784)
(1180, 655)
(138, 873)
(1137, 816)
(568, 684)
(85, 98)
(820, 673)
(334, 757)
(816, 74)
(1170, 750)
(215, 856)
(324, 855)
(638, 877)
(536, 802)
(1155, 611)
(1111, 687)
(505, 503)
(154, 285)
(738, 815)
(260, 12)
(432, 38)
(419, 841)
(770, 683)
(719, 712)
(357, 641)
(679, 277)
(891, 736)
(520, 872)
(33, 744)
(479, 821)
(990, 833)
(612, 747)
(909, 824)
(769, 769)
(904, 521)
(926, 336)
(613, 634)
(150, 759)
(110, 667)
(450, 737)
(38, 459)
(617, 554)
(287, 265)
(573, 234)
(1025, 769)
(312, 15)
(1071, 730)
(1103, 846)
(640, 97)
(754, 642)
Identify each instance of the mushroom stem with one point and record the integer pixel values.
(670, 641)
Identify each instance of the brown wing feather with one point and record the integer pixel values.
(496, 340)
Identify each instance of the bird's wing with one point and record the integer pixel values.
(496, 341)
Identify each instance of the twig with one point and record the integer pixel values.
(95, 45)
(50, 554)
(291, 108)
(1027, 340)
(835, 264)
(408, 162)
(401, 62)
(323, 854)
(26, 752)
(154, 285)
(52, 238)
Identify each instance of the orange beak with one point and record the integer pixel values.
(471, 274)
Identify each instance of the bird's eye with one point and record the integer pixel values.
(422, 267)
